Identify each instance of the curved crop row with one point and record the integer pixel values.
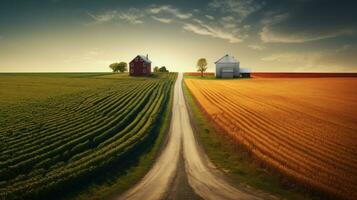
(82, 135)
(306, 140)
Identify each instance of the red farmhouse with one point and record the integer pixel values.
(140, 66)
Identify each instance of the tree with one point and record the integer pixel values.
(156, 69)
(119, 67)
(114, 67)
(122, 67)
(163, 69)
(202, 65)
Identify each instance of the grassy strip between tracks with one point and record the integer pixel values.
(235, 162)
(130, 173)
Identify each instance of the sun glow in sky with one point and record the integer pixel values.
(265, 35)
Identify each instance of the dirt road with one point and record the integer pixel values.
(183, 170)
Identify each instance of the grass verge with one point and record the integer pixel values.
(199, 77)
(237, 163)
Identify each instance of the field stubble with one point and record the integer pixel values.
(304, 128)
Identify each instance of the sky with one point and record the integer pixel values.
(264, 35)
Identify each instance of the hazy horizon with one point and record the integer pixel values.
(264, 35)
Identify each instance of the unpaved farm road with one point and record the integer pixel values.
(183, 171)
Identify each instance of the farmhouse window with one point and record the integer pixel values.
(144, 70)
(144, 64)
(131, 64)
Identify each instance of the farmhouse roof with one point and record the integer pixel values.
(227, 59)
(145, 58)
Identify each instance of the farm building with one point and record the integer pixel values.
(227, 67)
(140, 66)
(245, 72)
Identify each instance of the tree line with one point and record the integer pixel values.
(119, 67)
(160, 69)
(123, 67)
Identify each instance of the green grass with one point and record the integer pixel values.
(236, 162)
(89, 137)
(199, 77)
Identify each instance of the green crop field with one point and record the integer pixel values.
(57, 131)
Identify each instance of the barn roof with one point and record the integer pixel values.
(227, 59)
(146, 59)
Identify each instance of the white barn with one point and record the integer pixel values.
(227, 67)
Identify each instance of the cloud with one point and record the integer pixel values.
(104, 17)
(337, 59)
(209, 17)
(343, 57)
(132, 16)
(204, 29)
(290, 57)
(224, 28)
(242, 8)
(228, 22)
(229, 25)
(271, 36)
(170, 10)
(256, 47)
(162, 20)
(136, 16)
(300, 22)
(196, 29)
(344, 48)
(227, 18)
(246, 27)
(272, 18)
(306, 61)
(230, 17)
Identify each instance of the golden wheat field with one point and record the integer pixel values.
(306, 128)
